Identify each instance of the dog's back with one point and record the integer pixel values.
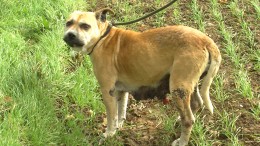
(150, 54)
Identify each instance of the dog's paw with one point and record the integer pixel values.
(121, 123)
(109, 133)
(178, 142)
(178, 119)
(105, 136)
(101, 141)
(175, 142)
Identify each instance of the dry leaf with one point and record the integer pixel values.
(69, 117)
(104, 123)
(223, 1)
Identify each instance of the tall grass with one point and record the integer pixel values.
(33, 76)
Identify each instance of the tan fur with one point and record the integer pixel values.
(126, 60)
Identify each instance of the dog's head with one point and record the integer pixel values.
(83, 29)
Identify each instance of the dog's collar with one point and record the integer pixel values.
(104, 35)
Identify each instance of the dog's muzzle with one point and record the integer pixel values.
(72, 40)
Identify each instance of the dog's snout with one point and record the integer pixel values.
(72, 40)
(71, 36)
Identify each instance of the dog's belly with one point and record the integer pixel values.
(145, 80)
(158, 90)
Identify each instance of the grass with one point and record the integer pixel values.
(256, 5)
(240, 14)
(229, 127)
(176, 14)
(200, 133)
(46, 98)
(220, 93)
(247, 31)
(197, 15)
(256, 111)
(232, 50)
(33, 78)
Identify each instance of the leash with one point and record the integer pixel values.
(144, 17)
(130, 22)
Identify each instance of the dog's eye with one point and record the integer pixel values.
(69, 23)
(84, 26)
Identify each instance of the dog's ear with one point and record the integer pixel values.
(102, 14)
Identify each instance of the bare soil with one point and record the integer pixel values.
(145, 119)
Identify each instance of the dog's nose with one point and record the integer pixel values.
(71, 36)
(72, 40)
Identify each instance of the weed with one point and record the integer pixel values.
(197, 15)
(199, 133)
(244, 86)
(219, 92)
(256, 5)
(229, 124)
(256, 59)
(245, 27)
(176, 14)
(256, 111)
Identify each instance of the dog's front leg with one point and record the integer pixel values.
(112, 113)
(122, 105)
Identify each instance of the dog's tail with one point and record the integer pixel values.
(209, 74)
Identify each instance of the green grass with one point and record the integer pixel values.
(233, 52)
(256, 5)
(48, 99)
(200, 133)
(256, 111)
(33, 77)
(176, 14)
(247, 33)
(240, 14)
(197, 15)
(219, 92)
(229, 128)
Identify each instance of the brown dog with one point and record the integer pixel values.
(126, 61)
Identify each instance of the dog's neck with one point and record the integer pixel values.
(104, 35)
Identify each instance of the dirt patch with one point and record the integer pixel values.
(145, 123)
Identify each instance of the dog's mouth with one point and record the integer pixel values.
(73, 41)
(75, 44)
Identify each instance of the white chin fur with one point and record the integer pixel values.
(84, 50)
(77, 49)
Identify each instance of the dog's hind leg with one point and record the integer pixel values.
(183, 78)
(196, 100)
(122, 106)
(181, 97)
